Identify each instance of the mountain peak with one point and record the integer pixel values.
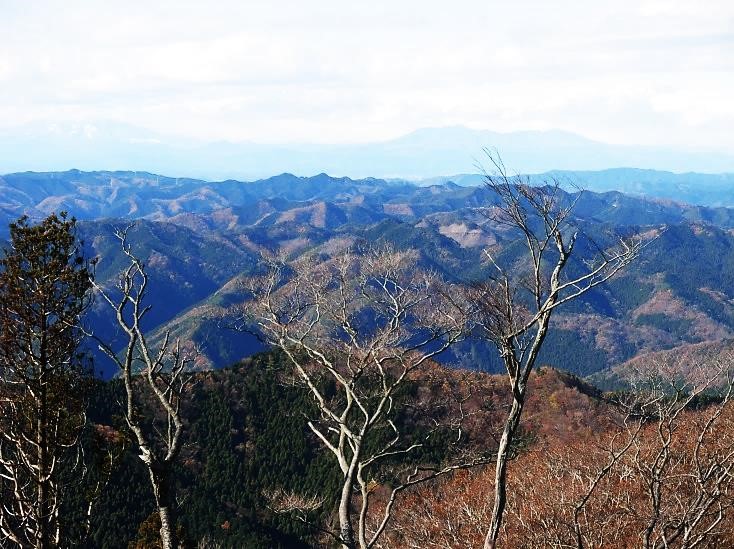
(425, 152)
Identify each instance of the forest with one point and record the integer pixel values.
(366, 275)
(350, 427)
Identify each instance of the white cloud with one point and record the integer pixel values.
(655, 72)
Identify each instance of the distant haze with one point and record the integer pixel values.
(656, 73)
(421, 154)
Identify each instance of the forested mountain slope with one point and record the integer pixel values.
(200, 239)
(248, 437)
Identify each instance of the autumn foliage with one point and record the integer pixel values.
(599, 473)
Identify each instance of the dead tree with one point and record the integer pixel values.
(662, 478)
(44, 379)
(516, 304)
(357, 329)
(156, 384)
(685, 461)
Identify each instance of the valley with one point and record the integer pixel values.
(199, 239)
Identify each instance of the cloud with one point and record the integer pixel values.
(326, 71)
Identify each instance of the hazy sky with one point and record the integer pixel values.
(657, 72)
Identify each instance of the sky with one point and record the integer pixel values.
(322, 71)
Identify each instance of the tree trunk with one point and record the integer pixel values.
(168, 528)
(43, 510)
(42, 504)
(500, 479)
(346, 529)
(166, 509)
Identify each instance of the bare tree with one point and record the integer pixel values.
(655, 472)
(516, 304)
(152, 409)
(686, 462)
(357, 329)
(44, 380)
(661, 478)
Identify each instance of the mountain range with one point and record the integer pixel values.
(133, 195)
(689, 188)
(199, 239)
(420, 154)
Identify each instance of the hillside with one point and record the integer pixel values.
(248, 436)
(702, 189)
(199, 239)
(138, 195)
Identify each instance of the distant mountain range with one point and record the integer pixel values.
(423, 153)
(691, 188)
(199, 239)
(134, 195)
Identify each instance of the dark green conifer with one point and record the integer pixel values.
(44, 379)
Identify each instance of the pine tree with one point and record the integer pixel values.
(44, 381)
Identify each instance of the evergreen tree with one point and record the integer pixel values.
(44, 381)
